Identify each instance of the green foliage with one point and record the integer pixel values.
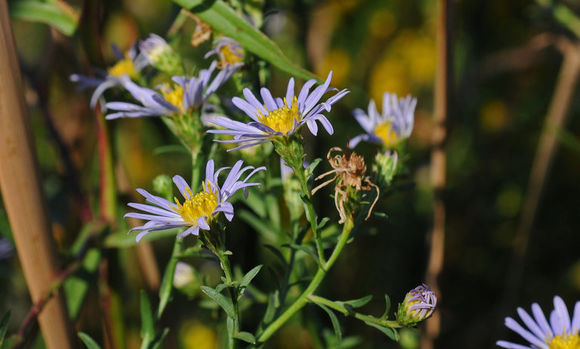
(4, 327)
(53, 13)
(88, 341)
(220, 299)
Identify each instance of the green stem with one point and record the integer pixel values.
(302, 300)
(346, 312)
(225, 265)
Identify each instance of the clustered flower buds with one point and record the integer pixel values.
(418, 305)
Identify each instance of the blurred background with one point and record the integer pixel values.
(506, 61)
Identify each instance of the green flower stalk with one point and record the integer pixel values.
(418, 305)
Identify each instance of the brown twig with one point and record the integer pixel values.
(23, 195)
(443, 81)
(547, 145)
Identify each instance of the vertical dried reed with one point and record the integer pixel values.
(438, 164)
(23, 196)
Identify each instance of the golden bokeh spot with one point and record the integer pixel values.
(198, 336)
(493, 116)
(339, 62)
(389, 75)
(198, 205)
(567, 341)
(282, 119)
(386, 133)
(174, 96)
(124, 67)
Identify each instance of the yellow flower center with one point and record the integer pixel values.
(386, 133)
(174, 96)
(567, 341)
(198, 205)
(122, 67)
(281, 119)
(231, 55)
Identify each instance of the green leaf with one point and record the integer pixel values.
(273, 209)
(278, 254)
(334, 320)
(159, 339)
(64, 19)
(258, 224)
(273, 303)
(309, 251)
(171, 148)
(147, 321)
(313, 166)
(4, 327)
(246, 337)
(222, 301)
(390, 332)
(88, 341)
(224, 20)
(77, 286)
(357, 303)
(387, 307)
(250, 276)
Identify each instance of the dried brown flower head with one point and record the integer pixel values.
(350, 169)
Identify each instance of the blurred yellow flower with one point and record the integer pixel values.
(196, 335)
(382, 24)
(389, 75)
(338, 61)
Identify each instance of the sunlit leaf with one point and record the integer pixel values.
(57, 15)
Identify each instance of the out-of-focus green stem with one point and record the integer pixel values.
(302, 300)
(225, 265)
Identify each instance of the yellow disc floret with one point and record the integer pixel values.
(174, 96)
(282, 119)
(123, 67)
(230, 55)
(567, 341)
(386, 133)
(202, 204)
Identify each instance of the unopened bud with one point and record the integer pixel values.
(418, 305)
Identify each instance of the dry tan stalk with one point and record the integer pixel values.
(23, 196)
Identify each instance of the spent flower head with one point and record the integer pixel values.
(559, 333)
(277, 117)
(160, 55)
(391, 126)
(198, 210)
(229, 52)
(127, 67)
(418, 305)
(181, 96)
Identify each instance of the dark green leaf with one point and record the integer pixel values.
(63, 19)
(387, 307)
(224, 20)
(273, 303)
(304, 249)
(246, 337)
(222, 301)
(258, 224)
(88, 341)
(159, 340)
(77, 286)
(390, 332)
(357, 303)
(4, 327)
(277, 253)
(250, 276)
(334, 320)
(147, 321)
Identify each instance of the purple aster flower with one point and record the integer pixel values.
(279, 117)
(229, 52)
(418, 305)
(390, 127)
(559, 333)
(183, 95)
(198, 210)
(127, 67)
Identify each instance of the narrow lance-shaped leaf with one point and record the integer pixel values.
(4, 327)
(222, 301)
(88, 341)
(59, 16)
(334, 320)
(224, 20)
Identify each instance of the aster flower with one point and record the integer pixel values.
(127, 67)
(183, 95)
(229, 52)
(279, 117)
(559, 333)
(198, 210)
(418, 305)
(389, 128)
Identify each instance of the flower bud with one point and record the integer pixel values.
(385, 167)
(161, 55)
(418, 305)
